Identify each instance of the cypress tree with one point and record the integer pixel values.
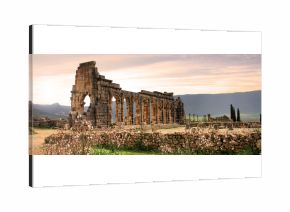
(234, 115)
(232, 112)
(238, 115)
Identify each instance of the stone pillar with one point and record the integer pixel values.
(134, 103)
(156, 112)
(174, 114)
(170, 114)
(109, 111)
(118, 112)
(167, 114)
(163, 113)
(138, 111)
(121, 109)
(160, 111)
(130, 111)
(149, 111)
(126, 117)
(141, 111)
(146, 111)
(153, 116)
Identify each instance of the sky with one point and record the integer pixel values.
(53, 75)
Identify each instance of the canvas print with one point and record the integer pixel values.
(145, 104)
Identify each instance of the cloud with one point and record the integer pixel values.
(53, 75)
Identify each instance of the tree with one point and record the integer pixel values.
(238, 115)
(233, 113)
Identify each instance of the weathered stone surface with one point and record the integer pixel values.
(151, 107)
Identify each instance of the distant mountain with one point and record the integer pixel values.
(53, 111)
(218, 104)
(249, 104)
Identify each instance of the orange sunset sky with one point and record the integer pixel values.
(53, 75)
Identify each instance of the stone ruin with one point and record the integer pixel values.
(142, 108)
(223, 118)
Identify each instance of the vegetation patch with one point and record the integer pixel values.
(113, 142)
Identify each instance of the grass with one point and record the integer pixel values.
(109, 151)
(104, 151)
(244, 116)
(248, 150)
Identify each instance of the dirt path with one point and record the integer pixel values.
(38, 139)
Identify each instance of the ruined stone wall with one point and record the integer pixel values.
(150, 107)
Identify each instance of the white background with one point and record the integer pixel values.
(269, 193)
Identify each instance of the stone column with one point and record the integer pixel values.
(154, 111)
(148, 118)
(126, 117)
(161, 113)
(138, 111)
(170, 114)
(118, 110)
(165, 113)
(145, 111)
(156, 120)
(150, 110)
(141, 111)
(174, 113)
(109, 111)
(122, 109)
(134, 121)
(130, 111)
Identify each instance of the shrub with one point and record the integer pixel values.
(198, 142)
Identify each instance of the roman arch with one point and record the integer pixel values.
(151, 108)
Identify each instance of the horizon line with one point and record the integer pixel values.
(173, 95)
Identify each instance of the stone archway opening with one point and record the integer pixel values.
(113, 109)
(87, 103)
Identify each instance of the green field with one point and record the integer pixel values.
(252, 117)
(104, 151)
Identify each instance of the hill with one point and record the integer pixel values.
(53, 111)
(249, 104)
(218, 104)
